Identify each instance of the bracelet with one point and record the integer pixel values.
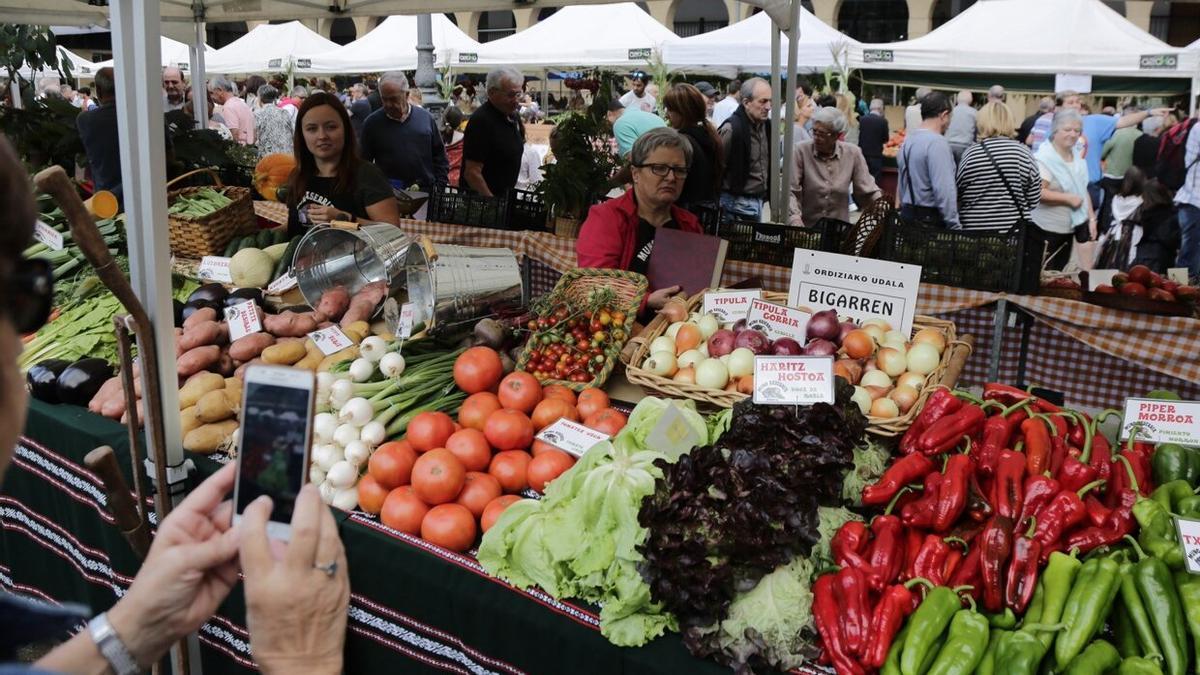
(111, 647)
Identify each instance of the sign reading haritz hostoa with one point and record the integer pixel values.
(1158, 62)
(859, 288)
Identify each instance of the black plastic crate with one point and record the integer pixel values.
(450, 204)
(526, 211)
(775, 244)
(709, 217)
(1009, 261)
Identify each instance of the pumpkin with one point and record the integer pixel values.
(102, 204)
(271, 173)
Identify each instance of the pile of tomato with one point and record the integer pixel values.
(449, 480)
(574, 346)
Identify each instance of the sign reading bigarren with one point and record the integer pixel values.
(800, 380)
(777, 321)
(730, 306)
(1158, 421)
(856, 287)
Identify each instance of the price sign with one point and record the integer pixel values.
(571, 437)
(1100, 278)
(800, 380)
(283, 284)
(47, 235)
(730, 306)
(858, 288)
(673, 435)
(243, 320)
(405, 324)
(1178, 274)
(777, 321)
(1157, 421)
(330, 340)
(1189, 537)
(215, 268)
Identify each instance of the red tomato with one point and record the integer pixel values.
(477, 407)
(520, 391)
(371, 495)
(510, 468)
(540, 447)
(551, 410)
(438, 476)
(429, 430)
(479, 490)
(558, 391)
(478, 369)
(491, 512)
(591, 401)
(508, 430)
(403, 510)
(391, 464)
(471, 448)
(450, 526)
(608, 420)
(546, 467)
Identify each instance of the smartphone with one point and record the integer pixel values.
(274, 442)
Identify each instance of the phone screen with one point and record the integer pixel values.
(273, 444)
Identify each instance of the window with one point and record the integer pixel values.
(945, 10)
(496, 24)
(694, 17)
(874, 20)
(343, 31)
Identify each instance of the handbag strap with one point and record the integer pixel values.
(912, 197)
(1021, 205)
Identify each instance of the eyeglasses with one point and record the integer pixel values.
(29, 295)
(823, 133)
(661, 170)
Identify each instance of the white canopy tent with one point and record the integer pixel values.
(612, 35)
(81, 68)
(174, 53)
(391, 46)
(268, 47)
(746, 47)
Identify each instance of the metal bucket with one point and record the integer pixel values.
(450, 285)
(327, 257)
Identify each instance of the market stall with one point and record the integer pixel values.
(376, 51)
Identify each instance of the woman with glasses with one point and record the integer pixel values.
(619, 234)
(826, 171)
(296, 602)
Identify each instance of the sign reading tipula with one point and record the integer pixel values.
(777, 321)
(799, 380)
(1159, 421)
(859, 288)
(730, 306)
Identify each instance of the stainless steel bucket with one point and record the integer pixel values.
(329, 256)
(450, 285)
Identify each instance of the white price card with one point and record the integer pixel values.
(243, 320)
(1189, 536)
(673, 435)
(215, 268)
(1178, 274)
(859, 288)
(777, 321)
(52, 238)
(571, 437)
(730, 306)
(799, 380)
(330, 340)
(405, 324)
(1158, 421)
(1098, 278)
(283, 284)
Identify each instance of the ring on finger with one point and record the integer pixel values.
(329, 569)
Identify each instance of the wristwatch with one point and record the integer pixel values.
(111, 648)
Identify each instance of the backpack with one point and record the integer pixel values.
(1171, 165)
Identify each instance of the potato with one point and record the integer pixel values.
(285, 354)
(216, 406)
(225, 365)
(250, 346)
(357, 331)
(110, 389)
(200, 316)
(188, 420)
(209, 437)
(198, 359)
(203, 333)
(198, 386)
(334, 302)
(290, 324)
(241, 370)
(347, 354)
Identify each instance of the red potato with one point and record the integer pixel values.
(334, 302)
(198, 359)
(290, 324)
(203, 333)
(110, 388)
(200, 316)
(225, 364)
(240, 373)
(363, 304)
(250, 346)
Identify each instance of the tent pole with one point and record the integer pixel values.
(199, 87)
(777, 99)
(789, 130)
(545, 91)
(1195, 93)
(426, 75)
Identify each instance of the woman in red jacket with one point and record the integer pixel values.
(619, 234)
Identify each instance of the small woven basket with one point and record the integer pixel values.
(574, 289)
(208, 235)
(946, 374)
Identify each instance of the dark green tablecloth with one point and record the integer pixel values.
(413, 607)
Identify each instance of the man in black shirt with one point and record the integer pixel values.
(495, 140)
(360, 107)
(1145, 148)
(98, 132)
(872, 135)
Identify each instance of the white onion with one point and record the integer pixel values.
(357, 411)
(933, 336)
(391, 365)
(324, 424)
(357, 453)
(911, 379)
(690, 358)
(876, 378)
(662, 363)
(863, 398)
(325, 379)
(891, 361)
(342, 475)
(373, 434)
(708, 325)
(316, 475)
(885, 408)
(663, 343)
(923, 358)
(361, 370)
(741, 362)
(712, 374)
(327, 492)
(340, 392)
(326, 455)
(344, 434)
(346, 500)
(373, 348)
(672, 330)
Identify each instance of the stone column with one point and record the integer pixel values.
(920, 17)
(827, 10)
(1138, 12)
(526, 17)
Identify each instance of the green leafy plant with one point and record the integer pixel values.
(42, 130)
(584, 162)
(35, 46)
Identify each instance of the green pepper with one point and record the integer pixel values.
(1006, 619)
(1099, 657)
(934, 650)
(926, 624)
(966, 642)
(1188, 586)
(1172, 462)
(1189, 507)
(1136, 665)
(891, 666)
(1157, 588)
(1020, 652)
(1057, 579)
(987, 665)
(1157, 534)
(1124, 634)
(1084, 613)
(1171, 492)
(1135, 610)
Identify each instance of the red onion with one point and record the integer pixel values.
(845, 328)
(824, 325)
(739, 326)
(786, 347)
(820, 347)
(752, 340)
(721, 342)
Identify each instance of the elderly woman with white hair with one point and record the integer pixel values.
(1065, 206)
(826, 171)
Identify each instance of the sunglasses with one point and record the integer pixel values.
(29, 295)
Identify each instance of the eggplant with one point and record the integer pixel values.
(178, 306)
(78, 383)
(243, 294)
(191, 307)
(43, 377)
(214, 292)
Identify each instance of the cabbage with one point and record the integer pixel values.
(870, 461)
(649, 411)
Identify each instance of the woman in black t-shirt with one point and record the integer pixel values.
(330, 182)
(686, 112)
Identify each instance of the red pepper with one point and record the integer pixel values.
(1059, 421)
(922, 512)
(1144, 449)
(1140, 465)
(939, 404)
(996, 542)
(979, 509)
(1075, 473)
(968, 572)
(944, 434)
(1120, 520)
(1058, 455)
(827, 617)
(955, 557)
(1037, 444)
(849, 545)
(998, 431)
(896, 603)
(931, 559)
(1079, 429)
(1100, 457)
(1097, 512)
(1063, 512)
(854, 597)
(1007, 491)
(952, 493)
(900, 473)
(1022, 571)
(1039, 490)
(913, 538)
(886, 559)
(1008, 395)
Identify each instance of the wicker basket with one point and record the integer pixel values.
(208, 235)
(574, 287)
(946, 374)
